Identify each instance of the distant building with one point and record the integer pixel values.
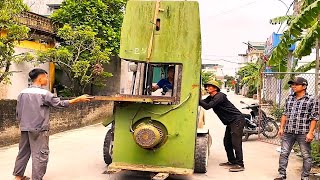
(254, 51)
(215, 69)
(243, 59)
(43, 7)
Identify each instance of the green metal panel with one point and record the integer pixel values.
(178, 41)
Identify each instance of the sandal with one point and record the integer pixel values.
(25, 178)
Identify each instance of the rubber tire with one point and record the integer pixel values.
(201, 154)
(275, 125)
(245, 136)
(106, 147)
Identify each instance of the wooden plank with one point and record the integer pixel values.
(150, 168)
(135, 98)
(160, 176)
(156, 14)
(112, 170)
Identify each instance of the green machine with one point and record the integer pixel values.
(162, 132)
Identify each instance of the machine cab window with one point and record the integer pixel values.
(156, 82)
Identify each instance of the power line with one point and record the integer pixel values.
(236, 8)
(284, 3)
(286, 14)
(217, 55)
(221, 60)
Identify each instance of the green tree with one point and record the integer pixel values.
(12, 32)
(250, 76)
(103, 16)
(307, 22)
(81, 57)
(229, 80)
(207, 76)
(90, 35)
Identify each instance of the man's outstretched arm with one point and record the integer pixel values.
(212, 103)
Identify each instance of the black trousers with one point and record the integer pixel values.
(233, 141)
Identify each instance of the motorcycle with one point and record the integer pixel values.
(267, 126)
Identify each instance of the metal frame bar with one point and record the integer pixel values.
(177, 82)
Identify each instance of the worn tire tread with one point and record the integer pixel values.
(200, 154)
(106, 155)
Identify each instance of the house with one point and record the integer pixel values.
(43, 7)
(213, 68)
(41, 38)
(243, 60)
(254, 51)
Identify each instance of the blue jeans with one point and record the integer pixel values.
(288, 141)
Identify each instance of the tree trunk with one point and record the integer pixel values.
(6, 71)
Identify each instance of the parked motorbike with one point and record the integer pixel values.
(266, 126)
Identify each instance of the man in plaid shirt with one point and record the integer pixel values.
(297, 125)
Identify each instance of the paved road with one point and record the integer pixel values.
(77, 155)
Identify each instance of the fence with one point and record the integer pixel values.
(274, 90)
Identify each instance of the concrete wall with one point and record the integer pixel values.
(76, 116)
(112, 83)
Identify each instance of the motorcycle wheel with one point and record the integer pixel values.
(245, 135)
(270, 128)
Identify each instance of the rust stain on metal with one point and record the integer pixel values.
(195, 86)
(148, 168)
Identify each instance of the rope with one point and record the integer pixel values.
(173, 108)
(134, 116)
(156, 13)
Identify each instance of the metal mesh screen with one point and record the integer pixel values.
(274, 91)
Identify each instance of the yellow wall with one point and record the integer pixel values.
(40, 47)
(32, 45)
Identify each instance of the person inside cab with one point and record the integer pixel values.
(167, 83)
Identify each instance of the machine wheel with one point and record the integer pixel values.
(270, 129)
(108, 147)
(201, 154)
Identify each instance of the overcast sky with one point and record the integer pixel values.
(224, 27)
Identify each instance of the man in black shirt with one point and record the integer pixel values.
(232, 118)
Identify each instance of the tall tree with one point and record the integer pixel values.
(229, 80)
(207, 76)
(304, 28)
(103, 16)
(90, 35)
(81, 57)
(250, 76)
(10, 33)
